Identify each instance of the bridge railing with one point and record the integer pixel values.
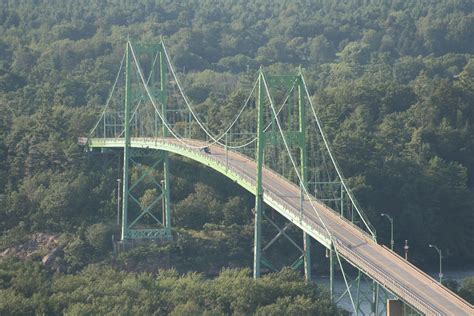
(252, 183)
(363, 263)
(382, 278)
(313, 198)
(244, 178)
(298, 215)
(435, 283)
(283, 204)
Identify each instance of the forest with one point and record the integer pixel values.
(393, 83)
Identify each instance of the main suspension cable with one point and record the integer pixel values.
(109, 98)
(163, 119)
(269, 124)
(336, 166)
(290, 155)
(141, 97)
(331, 236)
(216, 139)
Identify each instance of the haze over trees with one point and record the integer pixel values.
(393, 82)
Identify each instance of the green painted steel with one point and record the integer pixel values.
(158, 141)
(163, 231)
(303, 172)
(358, 299)
(259, 190)
(273, 137)
(173, 146)
(293, 137)
(160, 234)
(331, 272)
(248, 184)
(126, 147)
(375, 297)
(166, 163)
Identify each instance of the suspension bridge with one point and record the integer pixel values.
(275, 148)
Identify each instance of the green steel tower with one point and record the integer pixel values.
(132, 227)
(293, 137)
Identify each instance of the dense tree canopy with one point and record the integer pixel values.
(393, 82)
(26, 288)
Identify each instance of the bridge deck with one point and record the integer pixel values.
(387, 268)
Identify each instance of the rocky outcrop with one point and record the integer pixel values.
(42, 245)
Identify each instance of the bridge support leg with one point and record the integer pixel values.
(375, 298)
(124, 227)
(166, 183)
(166, 175)
(331, 273)
(358, 299)
(259, 192)
(307, 256)
(257, 250)
(303, 173)
(129, 231)
(126, 148)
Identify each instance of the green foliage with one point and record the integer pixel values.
(207, 251)
(198, 208)
(394, 88)
(296, 306)
(467, 290)
(99, 236)
(384, 77)
(103, 290)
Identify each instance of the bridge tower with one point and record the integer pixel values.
(132, 225)
(129, 122)
(293, 137)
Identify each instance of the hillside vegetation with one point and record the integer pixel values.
(393, 82)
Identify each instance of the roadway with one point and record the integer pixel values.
(355, 246)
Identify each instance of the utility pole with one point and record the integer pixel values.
(440, 262)
(391, 229)
(119, 184)
(163, 211)
(406, 249)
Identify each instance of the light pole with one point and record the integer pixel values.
(162, 182)
(391, 229)
(406, 249)
(440, 261)
(119, 182)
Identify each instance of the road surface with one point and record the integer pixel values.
(355, 246)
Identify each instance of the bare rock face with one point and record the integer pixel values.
(48, 260)
(37, 245)
(7, 252)
(55, 260)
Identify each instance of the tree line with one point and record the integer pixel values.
(392, 82)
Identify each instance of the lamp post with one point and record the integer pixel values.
(119, 185)
(391, 229)
(440, 261)
(406, 249)
(162, 182)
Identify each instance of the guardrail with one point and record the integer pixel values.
(167, 142)
(284, 206)
(434, 282)
(375, 272)
(293, 212)
(381, 276)
(321, 205)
